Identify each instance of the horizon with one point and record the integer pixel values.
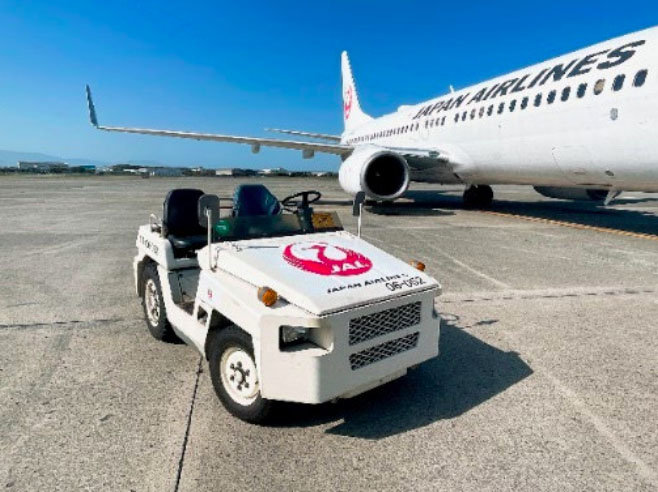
(202, 69)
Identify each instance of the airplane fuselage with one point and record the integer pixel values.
(587, 119)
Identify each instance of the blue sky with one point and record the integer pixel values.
(239, 67)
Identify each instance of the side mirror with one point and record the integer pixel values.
(357, 208)
(359, 199)
(208, 209)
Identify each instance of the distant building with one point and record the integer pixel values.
(42, 167)
(276, 171)
(169, 172)
(126, 168)
(234, 171)
(82, 169)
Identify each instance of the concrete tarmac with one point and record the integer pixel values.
(547, 378)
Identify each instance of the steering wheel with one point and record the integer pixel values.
(300, 201)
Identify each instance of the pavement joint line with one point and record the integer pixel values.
(181, 461)
(530, 297)
(454, 260)
(465, 266)
(64, 323)
(643, 469)
(573, 225)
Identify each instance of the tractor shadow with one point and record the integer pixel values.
(467, 373)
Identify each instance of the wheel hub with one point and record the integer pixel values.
(239, 376)
(152, 302)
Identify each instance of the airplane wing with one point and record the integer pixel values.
(308, 148)
(321, 136)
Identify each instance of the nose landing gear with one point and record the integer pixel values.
(479, 196)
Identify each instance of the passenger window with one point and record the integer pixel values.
(431, 123)
(551, 97)
(640, 78)
(582, 89)
(524, 103)
(473, 113)
(565, 93)
(457, 118)
(443, 121)
(481, 111)
(538, 100)
(490, 110)
(512, 105)
(599, 86)
(464, 115)
(618, 83)
(501, 108)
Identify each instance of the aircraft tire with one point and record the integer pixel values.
(478, 197)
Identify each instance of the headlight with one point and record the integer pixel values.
(291, 335)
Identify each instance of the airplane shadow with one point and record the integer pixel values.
(633, 221)
(467, 373)
(420, 208)
(584, 213)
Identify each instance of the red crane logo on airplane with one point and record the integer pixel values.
(325, 259)
(347, 102)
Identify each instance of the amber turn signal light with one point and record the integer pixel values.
(267, 296)
(418, 265)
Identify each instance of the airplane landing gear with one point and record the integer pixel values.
(478, 196)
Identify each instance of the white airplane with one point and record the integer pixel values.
(581, 126)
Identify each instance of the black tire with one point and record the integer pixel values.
(485, 196)
(470, 197)
(158, 325)
(478, 197)
(234, 340)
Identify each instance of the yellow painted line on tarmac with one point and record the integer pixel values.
(574, 225)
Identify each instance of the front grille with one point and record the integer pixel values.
(383, 351)
(383, 322)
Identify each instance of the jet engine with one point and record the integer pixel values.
(380, 173)
(578, 194)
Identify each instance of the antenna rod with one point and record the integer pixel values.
(358, 223)
(209, 217)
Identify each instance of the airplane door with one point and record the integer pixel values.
(423, 133)
(578, 166)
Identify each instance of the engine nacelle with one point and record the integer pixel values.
(381, 173)
(578, 194)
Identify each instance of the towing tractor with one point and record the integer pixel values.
(283, 302)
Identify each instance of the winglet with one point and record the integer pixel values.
(92, 109)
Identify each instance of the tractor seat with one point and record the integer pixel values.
(188, 242)
(180, 223)
(254, 200)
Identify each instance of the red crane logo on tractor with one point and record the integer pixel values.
(325, 259)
